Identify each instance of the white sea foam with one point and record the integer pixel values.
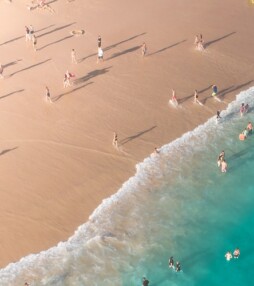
(117, 228)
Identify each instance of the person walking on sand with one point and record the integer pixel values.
(115, 140)
(214, 90)
(48, 97)
(1, 71)
(143, 49)
(73, 57)
(196, 97)
(100, 55)
(67, 79)
(173, 98)
(31, 32)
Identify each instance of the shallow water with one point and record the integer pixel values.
(178, 204)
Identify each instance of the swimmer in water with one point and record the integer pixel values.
(178, 267)
(246, 109)
(223, 166)
(221, 158)
(245, 132)
(242, 109)
(236, 253)
(171, 262)
(145, 282)
(228, 256)
(249, 128)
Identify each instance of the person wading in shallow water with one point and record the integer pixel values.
(145, 282)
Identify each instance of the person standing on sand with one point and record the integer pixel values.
(100, 55)
(67, 78)
(214, 90)
(143, 49)
(99, 41)
(73, 57)
(115, 140)
(48, 97)
(173, 99)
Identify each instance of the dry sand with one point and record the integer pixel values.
(57, 162)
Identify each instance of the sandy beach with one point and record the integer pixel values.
(57, 160)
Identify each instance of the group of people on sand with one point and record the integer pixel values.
(175, 102)
(235, 254)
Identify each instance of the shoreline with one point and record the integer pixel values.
(63, 167)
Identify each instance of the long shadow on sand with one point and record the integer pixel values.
(130, 138)
(30, 67)
(7, 150)
(23, 36)
(166, 48)
(11, 93)
(113, 46)
(91, 75)
(58, 41)
(218, 39)
(56, 98)
(11, 63)
(123, 52)
(181, 100)
(55, 30)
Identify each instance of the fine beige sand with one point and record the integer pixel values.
(57, 162)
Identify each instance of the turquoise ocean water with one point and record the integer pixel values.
(178, 204)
